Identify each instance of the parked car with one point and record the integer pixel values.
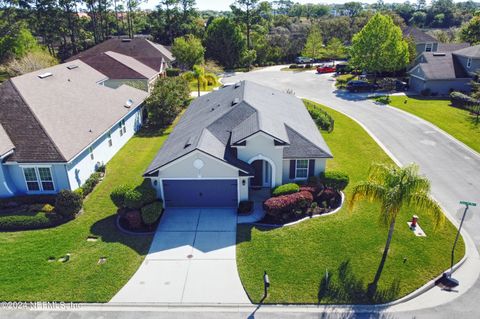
(303, 60)
(325, 69)
(342, 68)
(361, 86)
(401, 86)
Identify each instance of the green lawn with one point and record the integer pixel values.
(456, 122)
(347, 244)
(26, 273)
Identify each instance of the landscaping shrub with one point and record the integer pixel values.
(321, 118)
(68, 203)
(293, 66)
(101, 168)
(90, 183)
(282, 206)
(27, 200)
(335, 179)
(134, 219)
(133, 199)
(25, 222)
(149, 194)
(172, 72)
(79, 191)
(286, 189)
(461, 100)
(152, 212)
(118, 195)
(310, 189)
(47, 208)
(245, 207)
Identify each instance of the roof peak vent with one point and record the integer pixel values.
(45, 75)
(126, 40)
(188, 142)
(128, 104)
(238, 84)
(235, 101)
(72, 66)
(439, 54)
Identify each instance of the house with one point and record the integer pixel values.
(443, 72)
(423, 41)
(137, 62)
(59, 124)
(240, 137)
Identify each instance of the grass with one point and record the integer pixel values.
(342, 79)
(456, 122)
(348, 244)
(28, 276)
(298, 69)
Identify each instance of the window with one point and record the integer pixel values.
(31, 179)
(469, 63)
(90, 150)
(124, 127)
(38, 179)
(120, 129)
(428, 47)
(46, 178)
(301, 169)
(109, 139)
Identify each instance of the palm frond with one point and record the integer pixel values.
(425, 203)
(369, 191)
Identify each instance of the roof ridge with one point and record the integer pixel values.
(129, 57)
(37, 120)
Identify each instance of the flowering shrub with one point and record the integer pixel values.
(287, 204)
(309, 189)
(286, 189)
(134, 219)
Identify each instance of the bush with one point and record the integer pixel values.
(321, 118)
(152, 212)
(47, 208)
(172, 72)
(310, 189)
(293, 66)
(133, 199)
(90, 183)
(245, 207)
(149, 194)
(286, 189)
(79, 192)
(101, 168)
(287, 204)
(26, 222)
(461, 100)
(134, 219)
(118, 195)
(10, 202)
(335, 179)
(68, 203)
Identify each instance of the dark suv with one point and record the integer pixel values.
(361, 86)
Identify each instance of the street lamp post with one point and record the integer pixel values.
(447, 279)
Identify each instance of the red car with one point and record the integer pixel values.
(325, 69)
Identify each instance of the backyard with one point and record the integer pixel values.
(25, 255)
(348, 244)
(456, 122)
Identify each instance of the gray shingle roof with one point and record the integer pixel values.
(418, 35)
(451, 47)
(72, 107)
(440, 66)
(133, 64)
(470, 52)
(212, 123)
(6, 144)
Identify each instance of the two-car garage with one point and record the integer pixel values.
(200, 192)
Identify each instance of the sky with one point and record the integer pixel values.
(224, 5)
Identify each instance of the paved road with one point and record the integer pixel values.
(191, 260)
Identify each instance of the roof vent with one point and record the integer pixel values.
(238, 84)
(128, 103)
(45, 75)
(235, 101)
(188, 143)
(72, 66)
(438, 54)
(126, 40)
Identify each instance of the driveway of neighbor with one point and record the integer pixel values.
(191, 260)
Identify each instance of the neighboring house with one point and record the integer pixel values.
(58, 124)
(443, 72)
(137, 62)
(240, 137)
(423, 41)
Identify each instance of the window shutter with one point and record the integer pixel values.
(292, 169)
(311, 167)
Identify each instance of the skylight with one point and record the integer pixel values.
(45, 75)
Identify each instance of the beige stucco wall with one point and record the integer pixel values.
(261, 145)
(320, 164)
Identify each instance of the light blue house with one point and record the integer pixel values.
(59, 124)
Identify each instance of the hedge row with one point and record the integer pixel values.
(461, 100)
(335, 179)
(28, 222)
(321, 118)
(125, 196)
(286, 189)
(286, 204)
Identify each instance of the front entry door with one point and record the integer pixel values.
(258, 177)
(267, 174)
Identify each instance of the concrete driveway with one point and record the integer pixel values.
(191, 260)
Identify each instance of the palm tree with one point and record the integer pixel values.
(394, 187)
(203, 78)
